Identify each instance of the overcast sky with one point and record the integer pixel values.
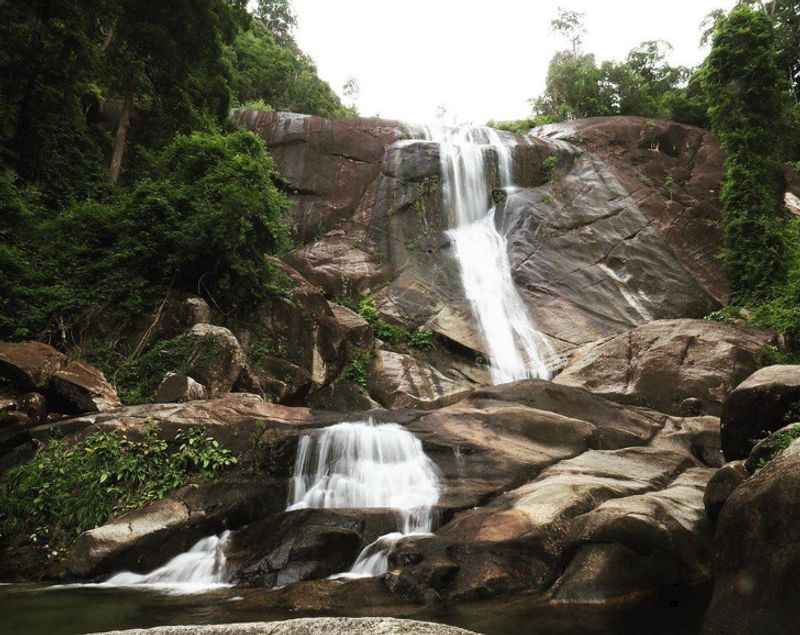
(480, 59)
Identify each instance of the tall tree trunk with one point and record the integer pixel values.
(121, 138)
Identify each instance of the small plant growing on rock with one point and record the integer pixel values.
(358, 368)
(549, 166)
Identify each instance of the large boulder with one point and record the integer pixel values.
(144, 539)
(303, 544)
(663, 363)
(30, 365)
(216, 359)
(83, 388)
(756, 553)
(400, 381)
(766, 401)
(177, 387)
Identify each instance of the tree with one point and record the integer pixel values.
(151, 69)
(278, 17)
(351, 90)
(747, 92)
(281, 76)
(569, 24)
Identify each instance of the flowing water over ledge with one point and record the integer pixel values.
(469, 156)
(361, 465)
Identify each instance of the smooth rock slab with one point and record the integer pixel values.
(309, 626)
(663, 363)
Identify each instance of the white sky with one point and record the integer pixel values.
(480, 59)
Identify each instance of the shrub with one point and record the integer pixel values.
(69, 488)
(421, 339)
(549, 166)
(357, 370)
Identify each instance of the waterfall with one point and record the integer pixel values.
(200, 569)
(517, 350)
(363, 465)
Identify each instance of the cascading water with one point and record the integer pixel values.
(363, 465)
(517, 350)
(200, 569)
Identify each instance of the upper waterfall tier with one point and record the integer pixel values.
(469, 158)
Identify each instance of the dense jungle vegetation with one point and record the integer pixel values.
(120, 176)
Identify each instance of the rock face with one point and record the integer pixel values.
(756, 554)
(145, 538)
(627, 232)
(663, 363)
(309, 626)
(304, 544)
(178, 387)
(763, 403)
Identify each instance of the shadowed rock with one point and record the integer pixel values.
(766, 401)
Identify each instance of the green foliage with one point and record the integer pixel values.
(421, 339)
(203, 221)
(727, 314)
(549, 165)
(745, 90)
(778, 442)
(770, 355)
(644, 84)
(280, 75)
(71, 487)
(357, 369)
(136, 380)
(522, 126)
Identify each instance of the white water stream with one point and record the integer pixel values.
(517, 350)
(363, 465)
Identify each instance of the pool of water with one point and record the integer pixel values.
(39, 610)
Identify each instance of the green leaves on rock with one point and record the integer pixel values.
(71, 487)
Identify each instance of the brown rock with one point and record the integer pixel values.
(722, 485)
(216, 359)
(304, 544)
(146, 538)
(400, 381)
(766, 401)
(342, 396)
(34, 405)
(663, 363)
(177, 387)
(30, 364)
(83, 388)
(756, 554)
